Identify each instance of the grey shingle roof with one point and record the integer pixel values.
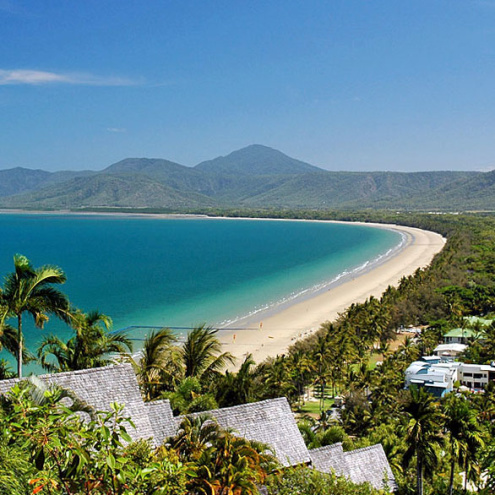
(99, 387)
(269, 421)
(368, 464)
(161, 419)
(329, 458)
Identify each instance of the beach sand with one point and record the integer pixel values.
(275, 333)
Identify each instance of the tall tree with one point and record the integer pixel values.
(237, 388)
(422, 433)
(91, 347)
(158, 367)
(31, 290)
(202, 354)
(464, 434)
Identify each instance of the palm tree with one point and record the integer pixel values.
(158, 367)
(237, 388)
(31, 290)
(195, 435)
(233, 465)
(201, 353)
(276, 378)
(463, 432)
(91, 346)
(422, 433)
(300, 367)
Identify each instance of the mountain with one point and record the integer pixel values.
(18, 180)
(104, 190)
(256, 160)
(255, 176)
(357, 190)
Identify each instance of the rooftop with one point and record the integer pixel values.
(368, 464)
(269, 421)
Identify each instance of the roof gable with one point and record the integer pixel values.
(370, 464)
(329, 458)
(100, 387)
(269, 421)
(161, 419)
(367, 465)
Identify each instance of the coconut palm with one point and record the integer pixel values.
(464, 433)
(8, 341)
(195, 435)
(201, 353)
(237, 388)
(30, 290)
(233, 465)
(91, 347)
(276, 378)
(158, 367)
(300, 367)
(8, 334)
(422, 433)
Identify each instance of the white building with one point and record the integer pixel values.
(438, 378)
(476, 376)
(449, 351)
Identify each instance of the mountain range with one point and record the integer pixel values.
(252, 177)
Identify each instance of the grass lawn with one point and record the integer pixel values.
(313, 407)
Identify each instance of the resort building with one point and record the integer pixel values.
(355, 464)
(448, 352)
(270, 421)
(476, 376)
(438, 379)
(462, 336)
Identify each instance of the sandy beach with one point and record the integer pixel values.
(273, 334)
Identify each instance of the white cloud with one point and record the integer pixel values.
(116, 129)
(38, 77)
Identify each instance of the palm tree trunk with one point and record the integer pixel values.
(451, 480)
(419, 477)
(19, 338)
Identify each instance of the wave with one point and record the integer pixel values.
(305, 293)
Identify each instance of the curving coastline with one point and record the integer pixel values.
(274, 333)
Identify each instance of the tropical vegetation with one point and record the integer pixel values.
(434, 445)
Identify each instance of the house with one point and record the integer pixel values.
(100, 387)
(269, 421)
(462, 336)
(368, 464)
(438, 378)
(476, 376)
(450, 351)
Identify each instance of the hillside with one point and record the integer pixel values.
(255, 176)
(256, 160)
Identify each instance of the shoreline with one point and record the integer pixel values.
(272, 331)
(276, 331)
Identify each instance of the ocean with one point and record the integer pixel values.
(180, 272)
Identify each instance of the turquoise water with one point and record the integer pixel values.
(181, 272)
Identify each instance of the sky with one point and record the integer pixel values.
(342, 84)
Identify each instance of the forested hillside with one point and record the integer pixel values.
(253, 177)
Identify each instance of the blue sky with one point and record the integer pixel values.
(342, 84)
